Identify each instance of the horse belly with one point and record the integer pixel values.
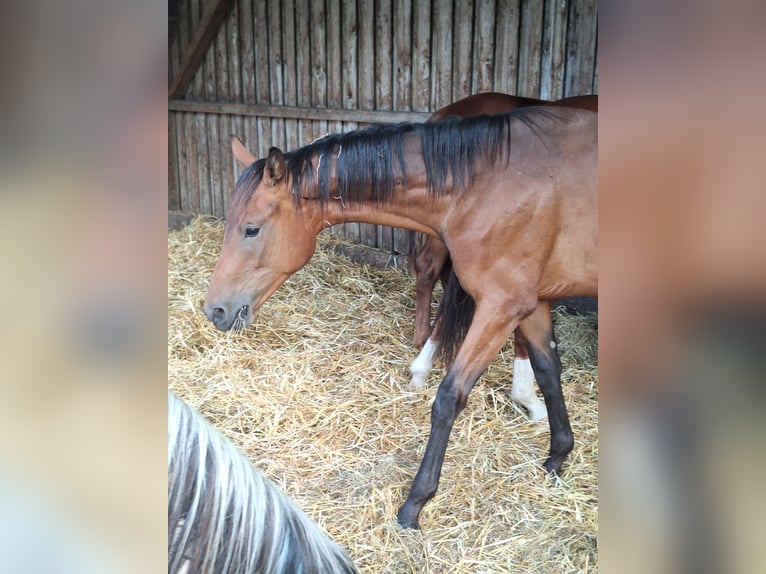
(571, 272)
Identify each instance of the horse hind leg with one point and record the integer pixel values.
(428, 265)
(537, 329)
(487, 334)
(423, 364)
(523, 383)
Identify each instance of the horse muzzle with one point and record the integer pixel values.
(226, 317)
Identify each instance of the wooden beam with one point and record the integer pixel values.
(303, 113)
(203, 36)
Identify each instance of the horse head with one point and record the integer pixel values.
(265, 241)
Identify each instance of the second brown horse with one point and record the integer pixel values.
(429, 261)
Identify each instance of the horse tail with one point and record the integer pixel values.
(224, 516)
(453, 318)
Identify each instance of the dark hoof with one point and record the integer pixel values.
(552, 466)
(407, 520)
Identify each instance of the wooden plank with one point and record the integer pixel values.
(198, 82)
(276, 70)
(402, 49)
(349, 38)
(199, 131)
(198, 47)
(184, 173)
(349, 52)
(182, 37)
(303, 68)
(484, 48)
(581, 47)
(462, 55)
(225, 72)
(366, 39)
(318, 63)
(326, 114)
(530, 48)
(384, 71)
(247, 66)
(209, 164)
(172, 24)
(553, 50)
(366, 18)
(403, 53)
(368, 234)
(174, 192)
(334, 58)
(595, 67)
(194, 180)
(262, 96)
(384, 235)
(441, 57)
(421, 57)
(174, 167)
(507, 45)
(290, 91)
(229, 165)
(203, 163)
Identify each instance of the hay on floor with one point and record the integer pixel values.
(315, 393)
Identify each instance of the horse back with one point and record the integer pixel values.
(589, 102)
(489, 103)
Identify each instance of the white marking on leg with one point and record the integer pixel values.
(553, 344)
(423, 364)
(523, 389)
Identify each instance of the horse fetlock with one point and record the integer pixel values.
(418, 381)
(553, 465)
(423, 364)
(407, 518)
(534, 405)
(537, 410)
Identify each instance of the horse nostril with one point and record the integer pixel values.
(215, 313)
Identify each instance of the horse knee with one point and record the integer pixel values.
(449, 401)
(445, 407)
(547, 368)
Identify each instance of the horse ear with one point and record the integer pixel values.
(240, 152)
(275, 165)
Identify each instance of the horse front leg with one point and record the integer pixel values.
(537, 329)
(487, 334)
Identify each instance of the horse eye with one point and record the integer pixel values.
(252, 231)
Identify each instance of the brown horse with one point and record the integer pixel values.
(513, 197)
(429, 262)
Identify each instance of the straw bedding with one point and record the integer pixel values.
(315, 393)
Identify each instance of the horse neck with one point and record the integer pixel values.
(409, 208)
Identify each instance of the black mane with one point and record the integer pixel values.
(368, 163)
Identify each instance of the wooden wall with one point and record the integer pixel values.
(283, 72)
